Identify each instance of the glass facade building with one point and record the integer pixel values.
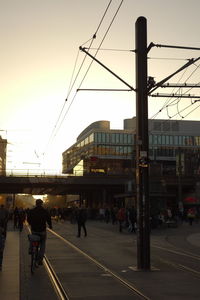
(100, 149)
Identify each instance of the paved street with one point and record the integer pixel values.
(175, 265)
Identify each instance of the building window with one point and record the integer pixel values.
(159, 140)
(118, 150)
(176, 140)
(155, 139)
(113, 141)
(130, 150)
(99, 137)
(163, 140)
(121, 138)
(180, 140)
(125, 138)
(167, 140)
(125, 150)
(107, 138)
(91, 138)
(121, 150)
(197, 140)
(171, 140)
(103, 135)
(130, 139)
(117, 138)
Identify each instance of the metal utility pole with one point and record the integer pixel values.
(142, 145)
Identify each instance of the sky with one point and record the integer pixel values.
(42, 66)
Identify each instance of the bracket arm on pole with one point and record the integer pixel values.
(100, 63)
(159, 84)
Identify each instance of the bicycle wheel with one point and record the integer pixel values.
(32, 262)
(34, 259)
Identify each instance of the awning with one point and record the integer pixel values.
(191, 200)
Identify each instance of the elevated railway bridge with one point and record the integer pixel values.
(85, 186)
(97, 186)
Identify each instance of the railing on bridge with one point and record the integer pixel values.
(40, 173)
(34, 173)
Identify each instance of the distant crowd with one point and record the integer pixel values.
(124, 217)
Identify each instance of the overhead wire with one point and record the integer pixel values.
(101, 43)
(167, 100)
(184, 110)
(168, 58)
(71, 85)
(62, 109)
(178, 112)
(111, 49)
(91, 61)
(167, 104)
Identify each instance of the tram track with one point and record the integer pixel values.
(114, 275)
(123, 281)
(179, 252)
(52, 266)
(57, 285)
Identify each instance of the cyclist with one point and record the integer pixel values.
(37, 219)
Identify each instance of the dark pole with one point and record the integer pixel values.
(142, 145)
(179, 176)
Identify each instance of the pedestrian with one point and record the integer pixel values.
(191, 215)
(121, 217)
(107, 215)
(37, 218)
(131, 219)
(2, 243)
(16, 218)
(81, 217)
(113, 214)
(4, 216)
(21, 218)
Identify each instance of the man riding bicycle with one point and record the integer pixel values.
(37, 219)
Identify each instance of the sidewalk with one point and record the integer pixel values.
(9, 276)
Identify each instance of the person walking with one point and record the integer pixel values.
(16, 218)
(37, 218)
(2, 243)
(21, 218)
(4, 216)
(131, 219)
(121, 217)
(191, 215)
(81, 217)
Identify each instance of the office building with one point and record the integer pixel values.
(174, 152)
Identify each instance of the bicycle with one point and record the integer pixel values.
(33, 250)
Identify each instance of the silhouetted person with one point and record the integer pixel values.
(2, 242)
(16, 218)
(4, 216)
(81, 217)
(21, 218)
(121, 217)
(37, 218)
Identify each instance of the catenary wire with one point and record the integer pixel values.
(89, 67)
(167, 104)
(72, 84)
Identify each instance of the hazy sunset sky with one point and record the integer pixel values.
(40, 42)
